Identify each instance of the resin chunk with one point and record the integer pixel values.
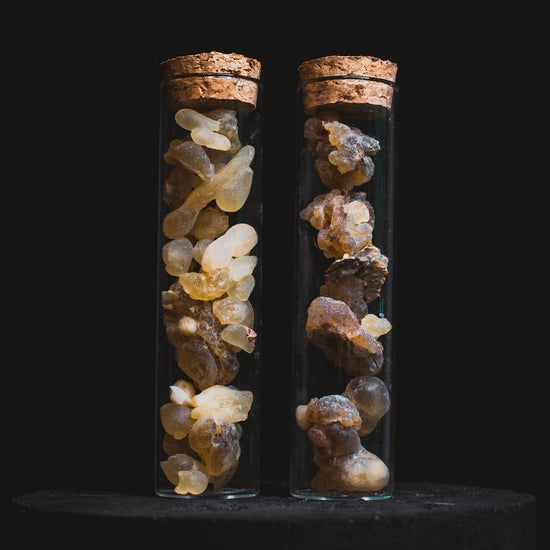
(181, 463)
(242, 267)
(372, 399)
(237, 241)
(210, 224)
(182, 392)
(232, 311)
(206, 286)
(201, 354)
(330, 409)
(332, 440)
(352, 146)
(177, 256)
(193, 157)
(205, 137)
(178, 186)
(343, 153)
(345, 222)
(191, 481)
(172, 446)
(240, 336)
(356, 280)
(222, 403)
(191, 119)
(227, 119)
(232, 196)
(377, 326)
(333, 179)
(333, 327)
(199, 248)
(179, 222)
(242, 288)
(217, 443)
(359, 472)
(176, 420)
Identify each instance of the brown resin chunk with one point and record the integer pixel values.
(199, 350)
(331, 441)
(178, 185)
(358, 472)
(217, 443)
(333, 327)
(333, 408)
(343, 153)
(356, 280)
(345, 222)
(372, 399)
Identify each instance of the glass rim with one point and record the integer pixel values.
(223, 75)
(350, 77)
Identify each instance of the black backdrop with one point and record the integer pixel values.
(78, 379)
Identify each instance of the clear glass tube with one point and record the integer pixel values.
(209, 290)
(343, 278)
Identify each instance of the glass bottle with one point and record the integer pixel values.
(343, 276)
(209, 277)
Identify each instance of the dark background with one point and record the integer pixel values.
(78, 379)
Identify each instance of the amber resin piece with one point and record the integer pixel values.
(333, 327)
(210, 223)
(177, 256)
(223, 403)
(232, 311)
(240, 336)
(179, 222)
(356, 279)
(176, 420)
(217, 443)
(372, 399)
(376, 325)
(206, 286)
(345, 222)
(199, 350)
(178, 463)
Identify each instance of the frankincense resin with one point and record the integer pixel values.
(209, 277)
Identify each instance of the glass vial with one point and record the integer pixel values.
(209, 277)
(343, 273)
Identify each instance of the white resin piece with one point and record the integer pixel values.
(240, 336)
(242, 267)
(212, 140)
(237, 241)
(177, 256)
(223, 403)
(190, 119)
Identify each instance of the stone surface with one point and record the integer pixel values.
(419, 516)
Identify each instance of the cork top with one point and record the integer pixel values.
(342, 83)
(347, 65)
(211, 62)
(211, 80)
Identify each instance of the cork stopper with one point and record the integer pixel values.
(338, 83)
(212, 80)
